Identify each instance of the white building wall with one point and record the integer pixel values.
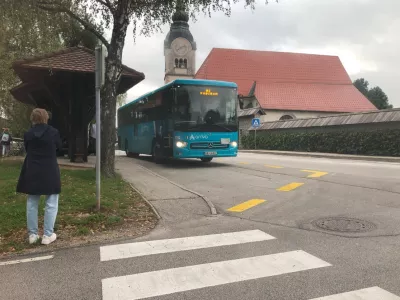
(275, 115)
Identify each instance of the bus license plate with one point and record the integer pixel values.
(225, 141)
(210, 153)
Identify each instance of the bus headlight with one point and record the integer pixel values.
(234, 144)
(180, 144)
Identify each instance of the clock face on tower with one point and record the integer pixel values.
(180, 46)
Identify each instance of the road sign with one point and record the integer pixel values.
(255, 123)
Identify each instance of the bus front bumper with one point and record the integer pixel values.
(199, 153)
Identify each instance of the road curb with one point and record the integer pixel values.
(147, 201)
(323, 155)
(76, 166)
(211, 206)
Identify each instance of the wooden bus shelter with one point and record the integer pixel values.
(63, 83)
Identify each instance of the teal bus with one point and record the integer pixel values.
(186, 118)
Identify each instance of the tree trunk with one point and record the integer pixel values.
(109, 93)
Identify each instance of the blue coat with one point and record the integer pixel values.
(40, 174)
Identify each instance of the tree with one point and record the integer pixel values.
(121, 99)
(25, 31)
(362, 85)
(73, 34)
(379, 98)
(117, 15)
(375, 95)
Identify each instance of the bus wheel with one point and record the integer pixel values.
(206, 159)
(126, 149)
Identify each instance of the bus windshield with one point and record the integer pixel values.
(211, 109)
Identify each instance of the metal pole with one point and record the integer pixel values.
(255, 138)
(98, 123)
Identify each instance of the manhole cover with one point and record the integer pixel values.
(344, 224)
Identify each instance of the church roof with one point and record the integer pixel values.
(287, 81)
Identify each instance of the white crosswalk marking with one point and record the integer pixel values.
(157, 283)
(181, 244)
(175, 280)
(373, 293)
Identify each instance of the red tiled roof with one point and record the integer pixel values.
(76, 59)
(312, 97)
(288, 81)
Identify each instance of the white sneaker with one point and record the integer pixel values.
(49, 239)
(33, 238)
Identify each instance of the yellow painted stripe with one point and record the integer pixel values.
(274, 167)
(243, 163)
(315, 174)
(246, 205)
(289, 187)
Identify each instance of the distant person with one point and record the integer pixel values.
(6, 140)
(40, 175)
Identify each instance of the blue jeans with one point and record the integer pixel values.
(50, 214)
(5, 149)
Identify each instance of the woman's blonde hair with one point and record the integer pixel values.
(39, 116)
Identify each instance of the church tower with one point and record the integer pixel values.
(179, 48)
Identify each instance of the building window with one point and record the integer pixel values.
(181, 63)
(286, 117)
(185, 63)
(176, 63)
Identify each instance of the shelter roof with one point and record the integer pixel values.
(74, 59)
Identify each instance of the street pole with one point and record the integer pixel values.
(99, 82)
(255, 138)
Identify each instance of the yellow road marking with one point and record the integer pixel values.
(315, 174)
(289, 187)
(274, 167)
(243, 163)
(246, 205)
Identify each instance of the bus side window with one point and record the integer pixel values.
(135, 130)
(167, 100)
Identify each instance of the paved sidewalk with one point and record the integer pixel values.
(174, 204)
(326, 155)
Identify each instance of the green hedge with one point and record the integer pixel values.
(379, 142)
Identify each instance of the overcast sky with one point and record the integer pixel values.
(363, 33)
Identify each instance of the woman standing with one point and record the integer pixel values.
(5, 142)
(40, 175)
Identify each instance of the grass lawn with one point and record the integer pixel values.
(122, 208)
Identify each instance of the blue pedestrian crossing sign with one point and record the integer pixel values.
(255, 123)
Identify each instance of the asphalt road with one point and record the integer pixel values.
(287, 228)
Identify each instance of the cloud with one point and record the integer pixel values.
(363, 33)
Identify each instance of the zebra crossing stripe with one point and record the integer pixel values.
(163, 282)
(181, 244)
(13, 262)
(373, 293)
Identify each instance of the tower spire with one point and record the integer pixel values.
(180, 14)
(179, 45)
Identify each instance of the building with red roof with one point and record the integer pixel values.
(272, 85)
(280, 85)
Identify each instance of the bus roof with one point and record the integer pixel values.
(185, 82)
